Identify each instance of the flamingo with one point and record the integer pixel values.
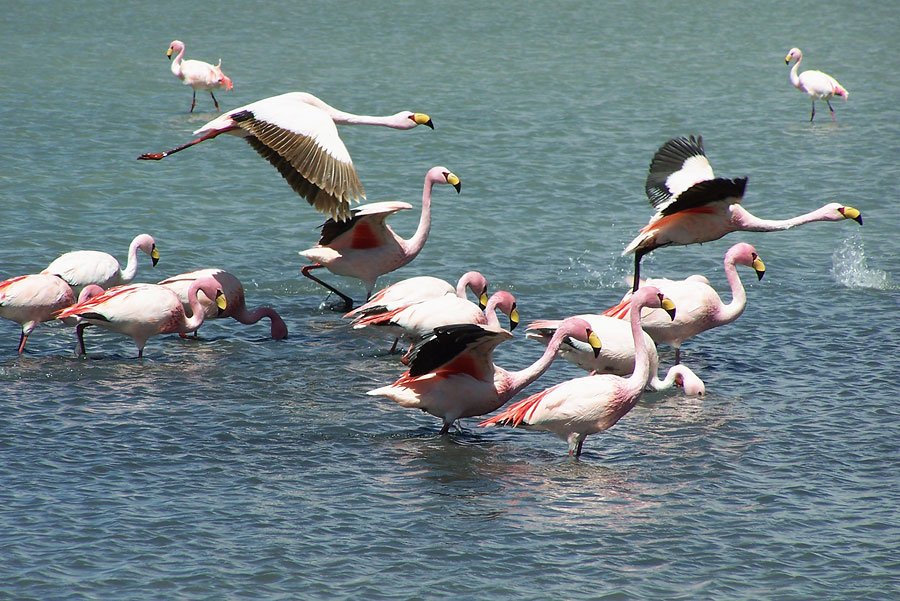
(617, 355)
(197, 74)
(31, 299)
(576, 408)
(144, 310)
(364, 247)
(420, 288)
(694, 207)
(89, 291)
(82, 267)
(452, 373)
(296, 133)
(700, 308)
(818, 85)
(234, 296)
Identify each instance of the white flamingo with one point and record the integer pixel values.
(197, 74)
(82, 267)
(818, 85)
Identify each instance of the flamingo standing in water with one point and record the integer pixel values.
(421, 288)
(695, 207)
(234, 297)
(365, 247)
(452, 373)
(576, 408)
(617, 355)
(82, 267)
(144, 310)
(31, 299)
(197, 74)
(699, 307)
(818, 85)
(296, 133)
(89, 291)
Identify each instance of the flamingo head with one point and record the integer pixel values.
(793, 54)
(650, 296)
(850, 213)
(477, 283)
(90, 291)
(442, 175)
(580, 329)
(209, 286)
(174, 48)
(415, 119)
(744, 254)
(693, 385)
(836, 212)
(146, 243)
(505, 302)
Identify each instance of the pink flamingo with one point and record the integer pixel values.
(818, 85)
(296, 133)
(234, 296)
(89, 291)
(31, 299)
(417, 289)
(452, 373)
(82, 267)
(365, 247)
(617, 355)
(694, 207)
(144, 310)
(699, 307)
(576, 408)
(197, 74)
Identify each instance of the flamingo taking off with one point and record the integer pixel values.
(197, 74)
(694, 207)
(452, 373)
(365, 247)
(818, 85)
(296, 133)
(31, 299)
(617, 355)
(82, 267)
(699, 307)
(234, 297)
(144, 310)
(576, 408)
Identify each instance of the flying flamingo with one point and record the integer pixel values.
(82, 267)
(617, 355)
(819, 86)
(699, 307)
(364, 247)
(197, 74)
(234, 297)
(144, 310)
(31, 299)
(576, 408)
(452, 373)
(296, 133)
(694, 207)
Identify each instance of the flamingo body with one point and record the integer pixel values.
(82, 267)
(31, 299)
(815, 84)
(197, 74)
(421, 288)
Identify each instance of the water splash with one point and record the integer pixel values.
(849, 267)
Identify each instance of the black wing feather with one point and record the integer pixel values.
(668, 159)
(707, 192)
(442, 346)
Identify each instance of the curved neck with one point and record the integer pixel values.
(522, 378)
(731, 311)
(795, 78)
(176, 63)
(278, 328)
(746, 221)
(641, 374)
(127, 274)
(197, 308)
(415, 244)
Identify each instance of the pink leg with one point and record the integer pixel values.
(22, 340)
(156, 156)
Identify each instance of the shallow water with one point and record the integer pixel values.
(234, 466)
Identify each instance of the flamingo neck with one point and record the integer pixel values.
(641, 374)
(414, 245)
(517, 380)
(278, 327)
(176, 63)
(795, 77)
(731, 311)
(345, 118)
(127, 274)
(744, 220)
(197, 309)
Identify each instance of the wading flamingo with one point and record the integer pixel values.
(452, 373)
(82, 267)
(617, 355)
(144, 310)
(89, 291)
(576, 408)
(234, 297)
(818, 85)
(197, 74)
(695, 207)
(420, 288)
(296, 133)
(365, 247)
(31, 299)
(699, 307)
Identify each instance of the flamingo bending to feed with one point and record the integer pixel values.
(818, 85)
(233, 290)
(617, 355)
(452, 373)
(197, 74)
(699, 307)
(694, 207)
(31, 299)
(82, 267)
(144, 310)
(89, 291)
(365, 247)
(576, 408)
(296, 132)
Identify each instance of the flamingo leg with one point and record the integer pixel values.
(638, 255)
(193, 101)
(677, 355)
(813, 114)
(445, 428)
(394, 346)
(79, 335)
(156, 156)
(22, 340)
(348, 302)
(828, 102)
(216, 102)
(580, 444)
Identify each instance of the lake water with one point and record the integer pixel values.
(237, 467)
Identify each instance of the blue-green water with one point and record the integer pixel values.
(236, 467)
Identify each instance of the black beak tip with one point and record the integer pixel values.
(429, 123)
(759, 275)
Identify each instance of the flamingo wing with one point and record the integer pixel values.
(677, 165)
(705, 193)
(370, 216)
(458, 347)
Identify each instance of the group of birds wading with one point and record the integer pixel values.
(450, 369)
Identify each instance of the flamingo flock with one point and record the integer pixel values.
(449, 370)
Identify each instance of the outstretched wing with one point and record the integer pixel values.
(677, 165)
(448, 344)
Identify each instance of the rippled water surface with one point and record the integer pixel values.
(237, 467)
